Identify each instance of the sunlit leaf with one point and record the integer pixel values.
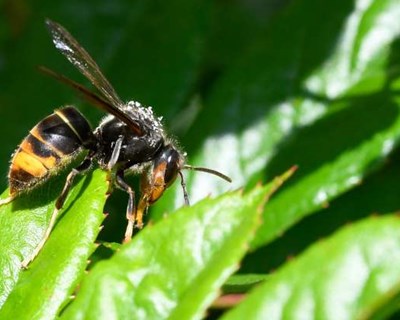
(352, 275)
(51, 278)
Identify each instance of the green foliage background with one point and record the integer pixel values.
(249, 88)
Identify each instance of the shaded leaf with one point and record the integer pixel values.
(243, 282)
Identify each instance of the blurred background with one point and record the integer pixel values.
(247, 87)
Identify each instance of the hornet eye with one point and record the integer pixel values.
(165, 170)
(171, 161)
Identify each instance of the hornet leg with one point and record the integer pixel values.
(130, 210)
(118, 180)
(85, 165)
(111, 165)
(7, 200)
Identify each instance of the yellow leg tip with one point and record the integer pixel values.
(25, 263)
(6, 200)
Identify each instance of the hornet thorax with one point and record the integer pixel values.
(137, 148)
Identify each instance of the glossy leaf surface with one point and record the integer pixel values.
(173, 269)
(352, 275)
(45, 287)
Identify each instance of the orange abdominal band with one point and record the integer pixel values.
(27, 162)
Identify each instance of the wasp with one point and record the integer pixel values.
(130, 139)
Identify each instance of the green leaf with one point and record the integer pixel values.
(175, 268)
(289, 101)
(352, 275)
(250, 88)
(43, 289)
(313, 190)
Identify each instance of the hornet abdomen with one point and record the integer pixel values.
(51, 142)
